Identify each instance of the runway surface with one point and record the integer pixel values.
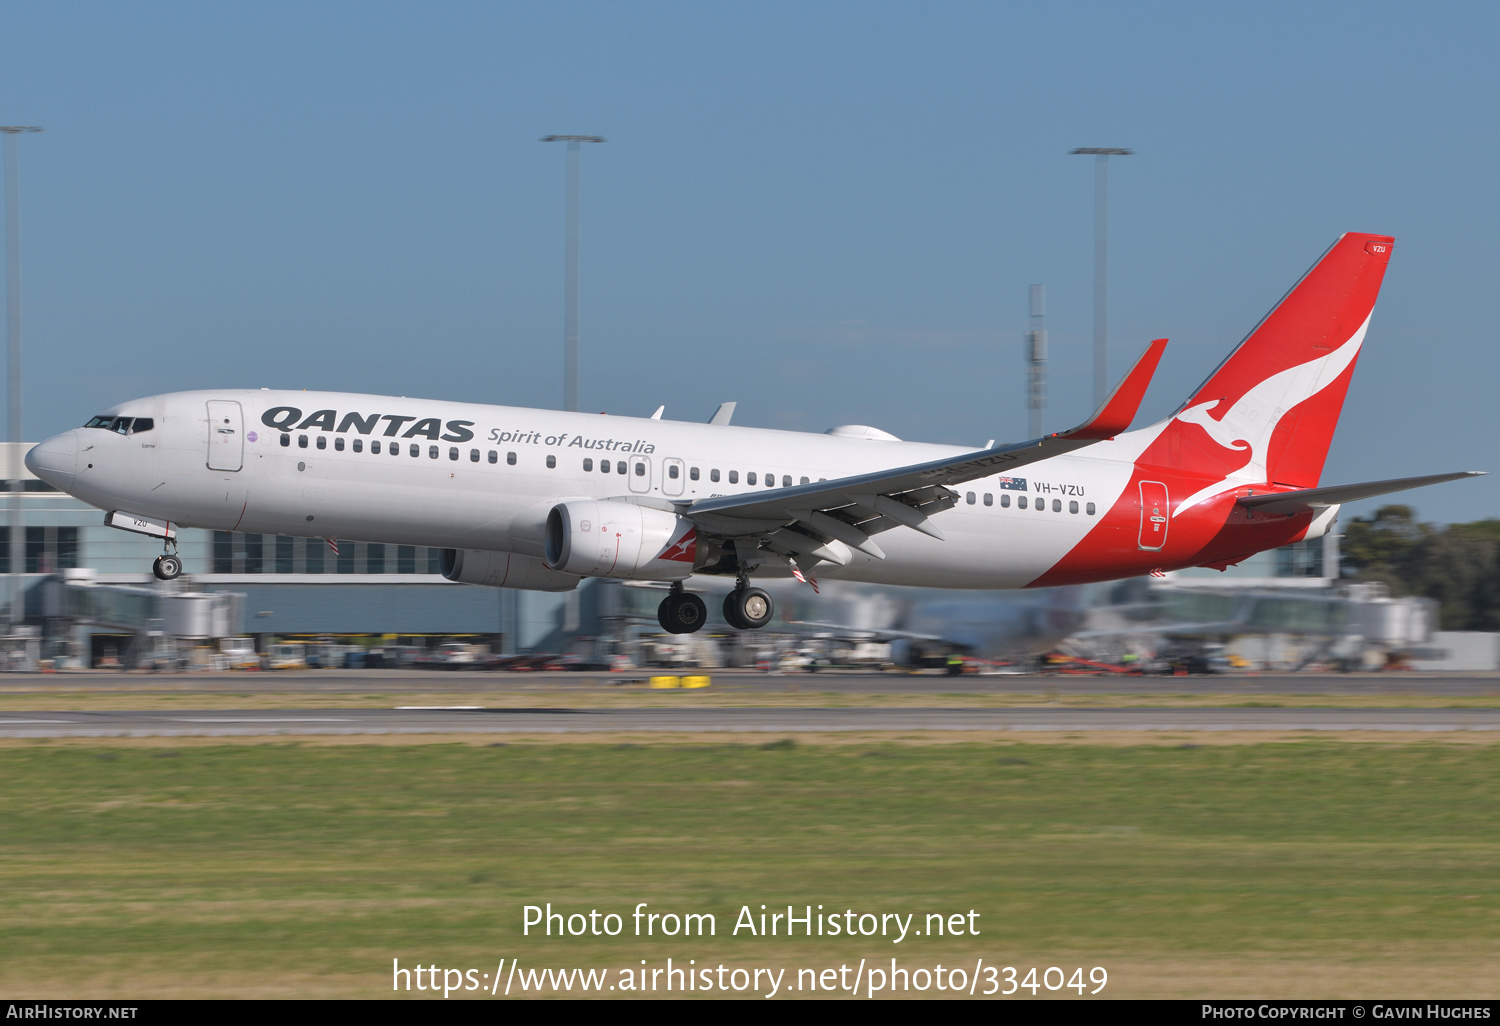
(730, 720)
(1453, 685)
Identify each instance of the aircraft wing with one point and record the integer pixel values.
(818, 521)
(1310, 498)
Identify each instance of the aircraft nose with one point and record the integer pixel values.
(55, 460)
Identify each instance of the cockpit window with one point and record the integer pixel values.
(122, 425)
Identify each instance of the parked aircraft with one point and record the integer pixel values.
(540, 499)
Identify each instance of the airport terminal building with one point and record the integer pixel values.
(291, 586)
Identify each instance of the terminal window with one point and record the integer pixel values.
(238, 553)
(48, 549)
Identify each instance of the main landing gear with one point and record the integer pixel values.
(748, 608)
(168, 565)
(681, 612)
(745, 608)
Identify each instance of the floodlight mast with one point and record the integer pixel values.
(570, 285)
(13, 613)
(1101, 156)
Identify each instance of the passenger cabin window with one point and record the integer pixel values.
(453, 453)
(416, 450)
(989, 498)
(1073, 506)
(1057, 505)
(588, 466)
(804, 481)
(672, 472)
(770, 480)
(713, 475)
(786, 480)
(749, 478)
(551, 462)
(734, 477)
(692, 473)
(604, 466)
(640, 468)
(1004, 501)
(1089, 509)
(302, 441)
(338, 443)
(286, 440)
(969, 498)
(510, 458)
(432, 452)
(1020, 502)
(494, 456)
(359, 445)
(375, 446)
(473, 458)
(619, 466)
(322, 441)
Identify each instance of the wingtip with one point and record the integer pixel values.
(1120, 408)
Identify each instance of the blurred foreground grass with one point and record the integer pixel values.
(1317, 868)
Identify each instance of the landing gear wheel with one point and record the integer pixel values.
(681, 613)
(748, 608)
(167, 567)
(732, 611)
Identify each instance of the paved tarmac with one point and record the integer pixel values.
(1456, 685)
(730, 720)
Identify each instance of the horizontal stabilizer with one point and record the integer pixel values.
(1308, 498)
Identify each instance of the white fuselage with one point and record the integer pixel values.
(468, 476)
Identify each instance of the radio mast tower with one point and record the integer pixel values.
(1036, 361)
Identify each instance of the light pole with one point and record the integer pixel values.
(13, 343)
(1101, 262)
(570, 286)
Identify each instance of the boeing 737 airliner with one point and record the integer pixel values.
(539, 499)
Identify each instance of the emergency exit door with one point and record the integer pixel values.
(226, 435)
(1155, 514)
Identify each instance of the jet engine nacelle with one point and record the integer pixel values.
(503, 570)
(607, 538)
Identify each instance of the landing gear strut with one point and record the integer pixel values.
(168, 565)
(681, 612)
(748, 608)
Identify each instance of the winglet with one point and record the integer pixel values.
(722, 414)
(1121, 406)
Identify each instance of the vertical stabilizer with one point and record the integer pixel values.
(1268, 412)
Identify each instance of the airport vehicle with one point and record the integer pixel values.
(539, 499)
(288, 657)
(239, 654)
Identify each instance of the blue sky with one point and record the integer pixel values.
(828, 212)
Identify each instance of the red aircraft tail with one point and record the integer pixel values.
(1268, 412)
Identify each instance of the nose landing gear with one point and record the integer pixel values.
(681, 612)
(168, 565)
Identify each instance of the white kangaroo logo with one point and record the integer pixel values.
(1249, 423)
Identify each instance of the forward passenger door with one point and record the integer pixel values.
(226, 435)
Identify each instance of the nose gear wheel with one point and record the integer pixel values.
(167, 567)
